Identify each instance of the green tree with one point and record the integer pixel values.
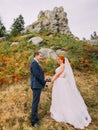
(2, 29)
(92, 37)
(18, 25)
(94, 33)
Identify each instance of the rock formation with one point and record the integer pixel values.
(55, 20)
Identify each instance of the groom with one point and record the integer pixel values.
(37, 84)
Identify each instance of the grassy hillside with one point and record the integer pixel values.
(15, 60)
(15, 93)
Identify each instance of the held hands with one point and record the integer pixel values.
(48, 82)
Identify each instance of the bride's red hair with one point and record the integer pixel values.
(61, 57)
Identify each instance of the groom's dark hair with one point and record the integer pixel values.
(37, 53)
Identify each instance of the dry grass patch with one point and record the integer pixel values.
(15, 105)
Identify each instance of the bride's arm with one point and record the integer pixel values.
(58, 73)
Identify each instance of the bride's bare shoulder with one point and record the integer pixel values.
(63, 66)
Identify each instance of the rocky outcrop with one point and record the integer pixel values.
(2, 39)
(93, 42)
(55, 20)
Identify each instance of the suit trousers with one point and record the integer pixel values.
(35, 102)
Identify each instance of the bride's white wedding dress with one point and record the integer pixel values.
(67, 103)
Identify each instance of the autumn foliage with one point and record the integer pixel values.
(15, 59)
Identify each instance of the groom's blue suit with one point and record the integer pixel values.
(37, 76)
(37, 84)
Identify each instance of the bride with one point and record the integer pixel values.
(67, 104)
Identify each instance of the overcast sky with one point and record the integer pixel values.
(82, 14)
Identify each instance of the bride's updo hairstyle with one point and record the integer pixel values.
(61, 57)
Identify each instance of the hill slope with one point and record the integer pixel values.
(15, 93)
(15, 59)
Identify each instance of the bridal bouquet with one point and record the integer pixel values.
(48, 80)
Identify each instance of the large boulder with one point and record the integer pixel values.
(14, 43)
(35, 40)
(48, 53)
(61, 52)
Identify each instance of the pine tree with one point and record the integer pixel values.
(18, 25)
(92, 37)
(2, 29)
(94, 33)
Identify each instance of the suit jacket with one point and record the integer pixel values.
(37, 76)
